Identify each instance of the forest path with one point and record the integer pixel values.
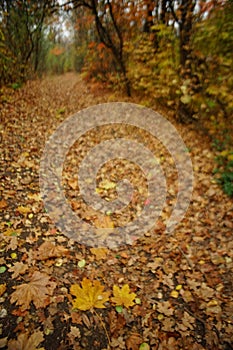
(183, 281)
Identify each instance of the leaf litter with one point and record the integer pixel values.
(183, 281)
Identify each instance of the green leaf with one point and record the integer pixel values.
(144, 346)
(2, 269)
(119, 309)
(186, 99)
(82, 263)
(138, 301)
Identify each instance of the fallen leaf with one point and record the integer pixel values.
(86, 321)
(174, 294)
(26, 342)
(107, 185)
(38, 291)
(89, 295)
(3, 204)
(35, 196)
(76, 317)
(100, 253)
(12, 243)
(122, 296)
(165, 308)
(144, 346)
(133, 341)
(168, 324)
(74, 333)
(116, 322)
(23, 210)
(103, 222)
(12, 232)
(18, 268)
(82, 263)
(2, 289)
(3, 342)
(48, 250)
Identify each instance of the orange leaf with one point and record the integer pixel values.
(3, 204)
(23, 210)
(2, 289)
(100, 253)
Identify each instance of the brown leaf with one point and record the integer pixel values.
(132, 343)
(187, 323)
(76, 317)
(74, 333)
(3, 342)
(165, 308)
(18, 268)
(168, 324)
(48, 250)
(38, 291)
(117, 322)
(13, 243)
(26, 342)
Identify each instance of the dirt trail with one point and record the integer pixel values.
(183, 281)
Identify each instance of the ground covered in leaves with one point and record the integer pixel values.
(161, 292)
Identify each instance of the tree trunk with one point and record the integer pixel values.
(185, 112)
(163, 11)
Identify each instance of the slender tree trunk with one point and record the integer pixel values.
(163, 11)
(149, 17)
(115, 46)
(185, 112)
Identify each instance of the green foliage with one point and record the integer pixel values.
(224, 162)
(153, 62)
(16, 86)
(212, 63)
(79, 55)
(224, 172)
(8, 66)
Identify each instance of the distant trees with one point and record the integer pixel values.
(172, 51)
(21, 28)
(108, 18)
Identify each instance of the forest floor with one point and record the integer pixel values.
(180, 284)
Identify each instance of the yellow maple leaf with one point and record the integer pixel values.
(122, 296)
(89, 295)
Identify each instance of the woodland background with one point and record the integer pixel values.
(176, 53)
